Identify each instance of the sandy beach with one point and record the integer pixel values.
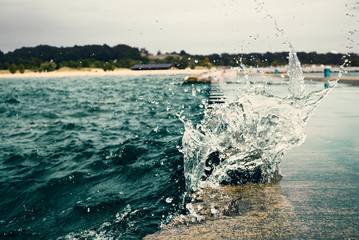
(100, 72)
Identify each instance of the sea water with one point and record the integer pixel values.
(93, 157)
(100, 157)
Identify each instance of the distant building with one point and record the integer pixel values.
(162, 66)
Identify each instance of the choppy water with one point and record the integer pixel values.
(99, 157)
(92, 156)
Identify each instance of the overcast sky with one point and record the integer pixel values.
(196, 26)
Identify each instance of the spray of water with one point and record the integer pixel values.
(244, 140)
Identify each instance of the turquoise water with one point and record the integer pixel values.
(90, 156)
(98, 157)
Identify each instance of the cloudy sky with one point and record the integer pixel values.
(196, 26)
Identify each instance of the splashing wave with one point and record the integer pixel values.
(244, 140)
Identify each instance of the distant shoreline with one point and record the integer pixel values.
(69, 72)
(99, 72)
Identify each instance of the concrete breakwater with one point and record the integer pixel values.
(232, 74)
(251, 211)
(354, 80)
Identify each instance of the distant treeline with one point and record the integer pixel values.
(48, 58)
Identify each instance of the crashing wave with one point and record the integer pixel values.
(244, 140)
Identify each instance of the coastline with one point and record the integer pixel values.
(68, 72)
(100, 72)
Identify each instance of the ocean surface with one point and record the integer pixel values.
(90, 156)
(98, 157)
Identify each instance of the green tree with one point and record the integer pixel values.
(22, 68)
(97, 64)
(72, 64)
(182, 53)
(47, 67)
(182, 63)
(108, 66)
(206, 63)
(275, 63)
(12, 68)
(86, 63)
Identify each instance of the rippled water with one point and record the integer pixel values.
(98, 157)
(92, 156)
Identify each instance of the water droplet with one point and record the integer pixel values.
(193, 92)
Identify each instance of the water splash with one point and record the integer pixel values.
(296, 78)
(244, 140)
